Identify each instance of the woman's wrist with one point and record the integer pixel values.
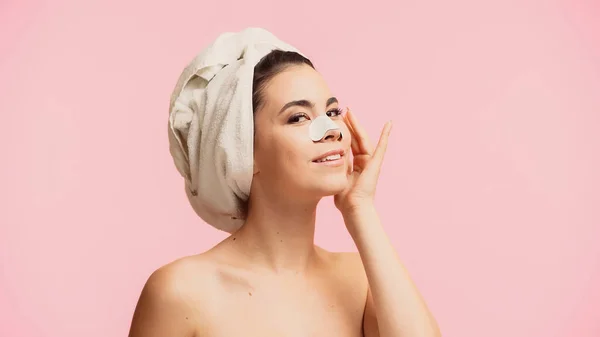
(360, 218)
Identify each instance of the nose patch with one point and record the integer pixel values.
(319, 127)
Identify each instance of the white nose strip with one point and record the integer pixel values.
(319, 127)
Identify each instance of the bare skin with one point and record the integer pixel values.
(269, 278)
(222, 293)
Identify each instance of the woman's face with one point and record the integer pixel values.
(284, 154)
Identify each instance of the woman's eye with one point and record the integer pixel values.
(334, 112)
(296, 118)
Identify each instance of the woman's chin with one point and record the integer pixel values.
(333, 185)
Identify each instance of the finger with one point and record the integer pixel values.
(360, 162)
(361, 134)
(374, 165)
(359, 148)
(353, 138)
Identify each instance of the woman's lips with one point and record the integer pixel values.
(336, 158)
(335, 162)
(340, 152)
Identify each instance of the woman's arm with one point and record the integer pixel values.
(394, 305)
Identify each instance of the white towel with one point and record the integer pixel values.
(211, 125)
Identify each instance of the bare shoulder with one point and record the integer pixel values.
(348, 268)
(186, 278)
(348, 282)
(350, 262)
(173, 298)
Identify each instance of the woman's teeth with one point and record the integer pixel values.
(332, 157)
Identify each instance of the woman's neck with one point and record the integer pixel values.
(279, 234)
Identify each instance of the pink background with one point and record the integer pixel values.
(490, 189)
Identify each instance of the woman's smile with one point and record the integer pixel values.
(331, 158)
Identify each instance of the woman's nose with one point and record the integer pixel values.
(333, 135)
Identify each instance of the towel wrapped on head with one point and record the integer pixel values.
(211, 125)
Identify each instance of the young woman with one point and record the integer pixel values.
(269, 278)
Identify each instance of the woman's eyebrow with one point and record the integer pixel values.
(306, 103)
